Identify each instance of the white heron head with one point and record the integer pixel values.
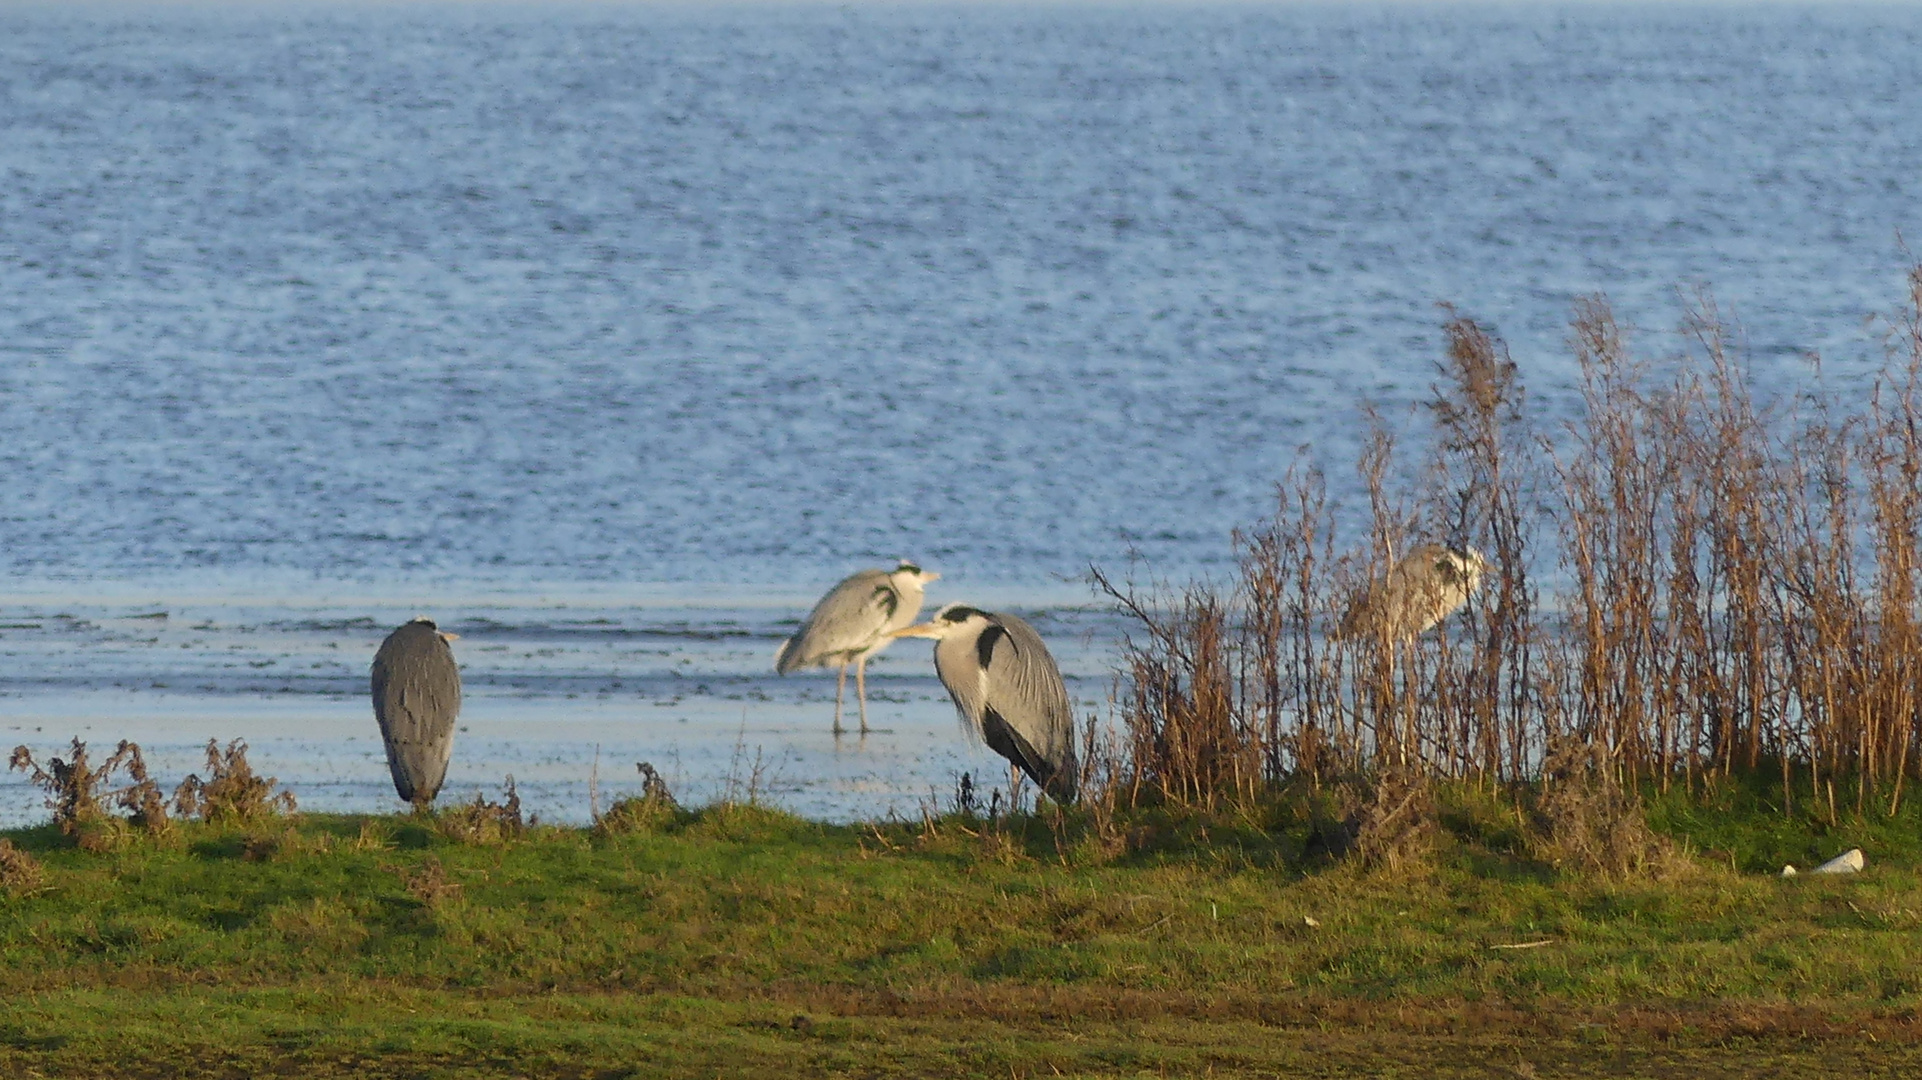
(444, 635)
(1462, 565)
(912, 576)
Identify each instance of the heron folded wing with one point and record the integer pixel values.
(847, 621)
(1003, 739)
(1030, 697)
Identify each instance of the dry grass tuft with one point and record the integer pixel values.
(1395, 827)
(429, 883)
(20, 873)
(1585, 821)
(142, 798)
(374, 835)
(651, 811)
(232, 793)
(483, 822)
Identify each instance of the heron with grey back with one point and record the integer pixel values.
(1427, 585)
(417, 700)
(1008, 691)
(852, 623)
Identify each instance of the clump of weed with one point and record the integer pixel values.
(1584, 820)
(373, 836)
(289, 843)
(1004, 841)
(650, 811)
(232, 793)
(429, 883)
(80, 795)
(484, 822)
(1100, 800)
(323, 922)
(20, 872)
(1394, 827)
(1332, 814)
(142, 798)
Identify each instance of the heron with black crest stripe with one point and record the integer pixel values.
(1008, 690)
(852, 623)
(1430, 583)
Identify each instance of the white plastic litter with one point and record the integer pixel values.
(1848, 862)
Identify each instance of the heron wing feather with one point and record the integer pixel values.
(1003, 739)
(1025, 690)
(416, 690)
(848, 621)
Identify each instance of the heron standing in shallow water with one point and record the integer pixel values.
(1008, 691)
(852, 623)
(417, 700)
(1428, 585)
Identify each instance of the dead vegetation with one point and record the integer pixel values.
(231, 793)
(1585, 819)
(82, 796)
(20, 872)
(484, 822)
(1732, 588)
(428, 883)
(650, 811)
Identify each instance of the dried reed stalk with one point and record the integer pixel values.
(1735, 589)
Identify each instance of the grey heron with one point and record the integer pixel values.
(852, 623)
(416, 700)
(1426, 586)
(1008, 691)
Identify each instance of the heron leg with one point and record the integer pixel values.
(861, 690)
(840, 687)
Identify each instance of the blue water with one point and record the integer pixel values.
(311, 317)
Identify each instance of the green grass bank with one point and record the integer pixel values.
(740, 941)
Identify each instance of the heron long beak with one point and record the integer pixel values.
(448, 635)
(926, 630)
(932, 577)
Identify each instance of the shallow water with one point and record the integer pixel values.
(310, 321)
(564, 691)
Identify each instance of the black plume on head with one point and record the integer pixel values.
(961, 614)
(908, 566)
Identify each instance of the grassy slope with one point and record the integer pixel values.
(749, 943)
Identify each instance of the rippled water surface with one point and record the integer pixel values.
(612, 336)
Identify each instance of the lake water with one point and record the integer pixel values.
(611, 336)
